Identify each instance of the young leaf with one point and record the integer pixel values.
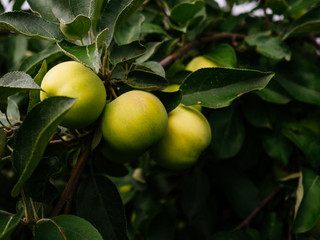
(87, 55)
(14, 82)
(49, 54)
(77, 29)
(115, 13)
(37, 27)
(68, 227)
(108, 214)
(309, 22)
(218, 87)
(8, 223)
(308, 212)
(34, 134)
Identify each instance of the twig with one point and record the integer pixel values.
(213, 37)
(67, 195)
(247, 221)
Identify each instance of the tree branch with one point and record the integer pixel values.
(68, 193)
(264, 202)
(212, 37)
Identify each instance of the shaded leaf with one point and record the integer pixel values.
(108, 214)
(146, 80)
(222, 54)
(170, 100)
(14, 82)
(309, 22)
(126, 53)
(218, 87)
(8, 223)
(34, 134)
(115, 13)
(272, 227)
(185, 11)
(307, 212)
(67, 227)
(154, 67)
(274, 93)
(76, 29)
(87, 55)
(36, 28)
(3, 141)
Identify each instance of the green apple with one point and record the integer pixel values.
(200, 62)
(187, 136)
(131, 124)
(72, 79)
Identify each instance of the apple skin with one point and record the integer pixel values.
(187, 136)
(198, 63)
(72, 79)
(131, 124)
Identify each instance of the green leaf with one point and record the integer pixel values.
(8, 223)
(15, 49)
(232, 235)
(222, 54)
(309, 22)
(150, 28)
(77, 29)
(87, 55)
(146, 80)
(170, 100)
(108, 214)
(277, 6)
(305, 139)
(194, 194)
(37, 27)
(14, 82)
(130, 31)
(34, 96)
(185, 11)
(67, 227)
(43, 7)
(274, 93)
(154, 67)
(3, 142)
(49, 54)
(13, 113)
(126, 53)
(271, 47)
(218, 87)
(277, 146)
(34, 134)
(115, 13)
(228, 132)
(307, 212)
(272, 227)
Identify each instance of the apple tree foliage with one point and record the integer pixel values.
(259, 179)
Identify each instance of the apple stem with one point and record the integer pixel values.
(68, 193)
(247, 221)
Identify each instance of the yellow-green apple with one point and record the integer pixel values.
(200, 62)
(131, 124)
(72, 79)
(187, 136)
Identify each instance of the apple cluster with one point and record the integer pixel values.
(133, 123)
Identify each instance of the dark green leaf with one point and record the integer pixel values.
(34, 96)
(271, 47)
(17, 5)
(36, 28)
(159, 227)
(194, 194)
(34, 134)
(218, 87)
(130, 31)
(43, 7)
(77, 29)
(232, 235)
(272, 228)
(67, 227)
(154, 67)
(170, 100)
(14, 82)
(228, 132)
(307, 212)
(15, 49)
(151, 48)
(115, 13)
(149, 28)
(185, 11)
(223, 54)
(305, 139)
(277, 6)
(146, 80)
(126, 53)
(87, 55)
(49, 54)
(309, 22)
(3, 141)
(13, 113)
(8, 223)
(274, 93)
(108, 214)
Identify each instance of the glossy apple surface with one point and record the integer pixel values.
(72, 79)
(187, 136)
(131, 124)
(200, 62)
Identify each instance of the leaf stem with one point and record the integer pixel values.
(6, 213)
